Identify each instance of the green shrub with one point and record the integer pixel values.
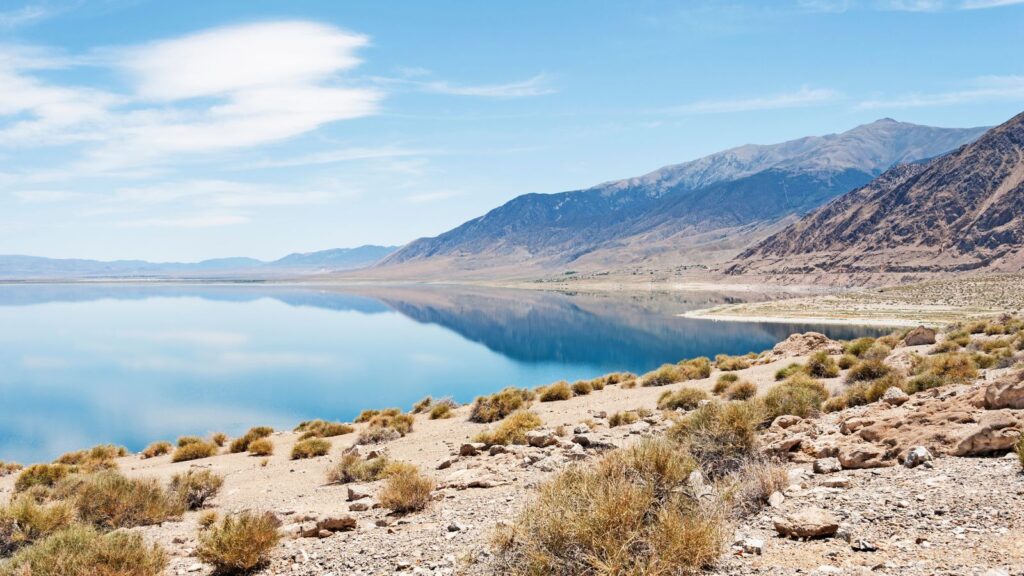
(310, 448)
(783, 373)
(821, 365)
(728, 363)
(353, 468)
(42, 475)
(242, 444)
(261, 447)
(195, 487)
(582, 388)
(240, 542)
(742, 390)
(684, 398)
(511, 430)
(555, 392)
(194, 451)
(867, 370)
(406, 490)
(800, 395)
(24, 521)
(631, 513)
(500, 404)
(110, 500)
(622, 418)
(858, 347)
(80, 550)
(720, 435)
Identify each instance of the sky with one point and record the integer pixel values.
(185, 130)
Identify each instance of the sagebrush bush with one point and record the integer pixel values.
(9, 468)
(219, 438)
(555, 392)
(821, 365)
(847, 361)
(323, 429)
(867, 370)
(685, 398)
(422, 406)
(742, 390)
(242, 444)
(582, 387)
(195, 487)
(100, 457)
(110, 500)
(443, 409)
(406, 489)
(158, 448)
(80, 550)
(239, 542)
(207, 519)
(664, 375)
(24, 521)
(720, 435)
(261, 447)
(186, 440)
(511, 430)
(310, 448)
(858, 347)
(786, 372)
(728, 363)
(353, 468)
(800, 395)
(194, 451)
(628, 514)
(42, 475)
(757, 478)
(622, 418)
(500, 404)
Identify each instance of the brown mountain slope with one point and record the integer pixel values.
(962, 211)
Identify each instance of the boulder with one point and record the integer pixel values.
(807, 523)
(541, 439)
(786, 421)
(471, 448)
(356, 494)
(995, 432)
(918, 455)
(341, 524)
(1005, 393)
(920, 336)
(895, 396)
(358, 507)
(862, 456)
(827, 465)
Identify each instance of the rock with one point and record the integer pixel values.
(447, 463)
(827, 465)
(835, 482)
(471, 448)
(1005, 393)
(582, 440)
(581, 429)
(471, 478)
(918, 455)
(895, 396)
(804, 344)
(358, 507)
(456, 527)
(497, 449)
(355, 493)
(786, 421)
(995, 432)
(750, 545)
(807, 523)
(638, 427)
(541, 439)
(341, 524)
(920, 336)
(776, 499)
(862, 456)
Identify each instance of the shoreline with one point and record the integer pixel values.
(709, 314)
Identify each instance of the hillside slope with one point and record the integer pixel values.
(963, 211)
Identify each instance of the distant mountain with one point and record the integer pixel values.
(702, 211)
(961, 211)
(35, 268)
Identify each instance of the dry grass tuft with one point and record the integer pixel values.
(720, 435)
(239, 543)
(1020, 452)
(242, 444)
(310, 448)
(555, 392)
(858, 347)
(45, 475)
(261, 447)
(800, 395)
(158, 448)
(406, 489)
(442, 409)
(422, 406)
(821, 365)
(685, 399)
(110, 500)
(723, 382)
(82, 551)
(353, 468)
(791, 370)
(511, 430)
(500, 404)
(24, 521)
(582, 388)
(742, 390)
(847, 361)
(9, 468)
(322, 429)
(194, 451)
(195, 487)
(622, 418)
(219, 438)
(207, 519)
(728, 363)
(867, 370)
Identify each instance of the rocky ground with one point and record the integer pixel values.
(958, 510)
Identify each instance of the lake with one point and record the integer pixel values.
(84, 364)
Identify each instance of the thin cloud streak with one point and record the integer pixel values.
(800, 99)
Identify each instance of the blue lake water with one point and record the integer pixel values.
(82, 364)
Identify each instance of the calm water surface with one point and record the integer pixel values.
(85, 364)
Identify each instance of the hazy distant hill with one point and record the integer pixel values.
(33, 267)
(706, 210)
(962, 211)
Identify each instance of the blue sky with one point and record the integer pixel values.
(187, 130)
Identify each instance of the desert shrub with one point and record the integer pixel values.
(629, 514)
(310, 448)
(618, 378)
(207, 518)
(500, 404)
(186, 440)
(9, 468)
(847, 361)
(322, 429)
(365, 416)
(240, 542)
(994, 328)
(24, 521)
(983, 360)
(821, 365)
(100, 457)
(723, 382)
(423, 405)
(663, 376)
(867, 370)
(80, 550)
(377, 435)
(219, 438)
(242, 444)
(959, 337)
(598, 383)
(877, 351)
(730, 363)
(110, 500)
(923, 382)
(401, 423)
(742, 390)
(406, 490)
(858, 347)
(194, 451)
(158, 448)
(783, 373)
(353, 468)
(800, 395)
(555, 392)
(582, 388)
(261, 447)
(195, 487)
(511, 430)
(695, 368)
(956, 368)
(685, 398)
(748, 490)
(622, 418)
(862, 393)
(42, 475)
(720, 435)
(442, 409)
(945, 346)
(834, 404)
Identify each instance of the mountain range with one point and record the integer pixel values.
(962, 211)
(338, 259)
(700, 212)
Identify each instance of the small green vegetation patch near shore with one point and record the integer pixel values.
(81, 550)
(511, 430)
(310, 448)
(500, 404)
(240, 542)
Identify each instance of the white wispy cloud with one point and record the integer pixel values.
(838, 6)
(801, 98)
(535, 86)
(25, 15)
(985, 89)
(341, 155)
(982, 4)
